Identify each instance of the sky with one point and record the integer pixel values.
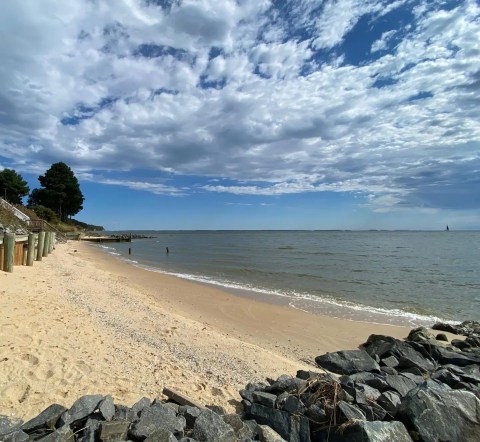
(249, 114)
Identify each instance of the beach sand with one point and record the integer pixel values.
(82, 322)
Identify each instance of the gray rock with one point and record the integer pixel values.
(389, 401)
(256, 386)
(16, 436)
(400, 384)
(190, 414)
(420, 334)
(413, 377)
(234, 421)
(9, 425)
(293, 405)
(307, 375)
(316, 413)
(445, 356)
(249, 430)
(388, 370)
(373, 411)
(155, 417)
(350, 411)
(217, 409)
(113, 431)
(123, 413)
(441, 337)
(377, 432)
(210, 427)
(407, 356)
(374, 380)
(47, 419)
(347, 362)
(291, 427)
(390, 361)
(365, 394)
(92, 426)
(63, 434)
(440, 414)
(247, 395)
(267, 434)
(267, 399)
(161, 435)
(107, 408)
(80, 409)
(145, 402)
(286, 384)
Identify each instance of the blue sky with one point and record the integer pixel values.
(251, 113)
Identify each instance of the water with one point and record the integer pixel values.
(404, 278)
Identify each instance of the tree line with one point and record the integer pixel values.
(58, 197)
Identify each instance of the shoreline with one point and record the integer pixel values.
(82, 322)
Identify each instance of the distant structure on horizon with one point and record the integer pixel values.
(447, 229)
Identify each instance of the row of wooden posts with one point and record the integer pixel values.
(25, 251)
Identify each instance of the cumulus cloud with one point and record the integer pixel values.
(259, 92)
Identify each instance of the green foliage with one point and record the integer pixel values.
(13, 185)
(85, 226)
(60, 193)
(45, 213)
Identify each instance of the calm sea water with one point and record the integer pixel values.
(410, 278)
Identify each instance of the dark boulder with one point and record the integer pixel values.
(9, 425)
(155, 417)
(347, 362)
(350, 411)
(377, 432)
(441, 337)
(267, 399)
(373, 380)
(286, 384)
(113, 431)
(438, 413)
(47, 419)
(400, 384)
(106, 407)
(63, 434)
(210, 427)
(190, 414)
(389, 401)
(81, 409)
(161, 435)
(16, 436)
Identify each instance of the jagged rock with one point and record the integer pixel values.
(420, 334)
(293, 405)
(80, 409)
(441, 337)
(16, 436)
(365, 394)
(107, 408)
(377, 432)
(286, 384)
(161, 435)
(347, 362)
(92, 426)
(439, 413)
(217, 409)
(210, 427)
(413, 377)
(445, 376)
(400, 384)
(155, 417)
(390, 361)
(267, 399)
(47, 419)
(145, 402)
(9, 425)
(350, 412)
(385, 346)
(267, 434)
(63, 434)
(247, 395)
(388, 370)
(316, 414)
(290, 427)
(344, 395)
(373, 380)
(112, 431)
(373, 411)
(389, 401)
(466, 328)
(307, 375)
(445, 356)
(124, 413)
(256, 386)
(190, 414)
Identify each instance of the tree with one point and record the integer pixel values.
(12, 186)
(61, 191)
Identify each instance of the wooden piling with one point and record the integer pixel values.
(8, 251)
(31, 248)
(41, 243)
(51, 243)
(46, 244)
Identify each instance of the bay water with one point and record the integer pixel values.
(390, 277)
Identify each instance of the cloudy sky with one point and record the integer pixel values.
(218, 114)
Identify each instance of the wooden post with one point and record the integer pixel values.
(31, 249)
(8, 251)
(46, 244)
(51, 242)
(41, 243)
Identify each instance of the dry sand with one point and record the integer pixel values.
(83, 322)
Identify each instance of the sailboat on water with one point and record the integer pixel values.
(447, 229)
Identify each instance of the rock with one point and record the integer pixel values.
(217, 409)
(391, 362)
(112, 431)
(445, 376)
(466, 328)
(441, 337)
(247, 395)
(91, 430)
(145, 402)
(155, 417)
(389, 401)
(400, 384)
(365, 394)
(80, 409)
(316, 414)
(161, 435)
(347, 362)
(287, 384)
(210, 427)
(385, 346)
(445, 356)
(256, 386)
(249, 430)
(373, 380)
(377, 432)
(16, 436)
(420, 334)
(350, 411)
(438, 413)
(373, 411)
(413, 377)
(307, 375)
(123, 413)
(290, 427)
(63, 434)
(190, 414)
(264, 398)
(293, 405)
(9, 425)
(47, 419)
(267, 434)
(107, 408)
(388, 370)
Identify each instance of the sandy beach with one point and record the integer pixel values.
(82, 322)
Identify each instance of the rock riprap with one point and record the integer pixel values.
(419, 389)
